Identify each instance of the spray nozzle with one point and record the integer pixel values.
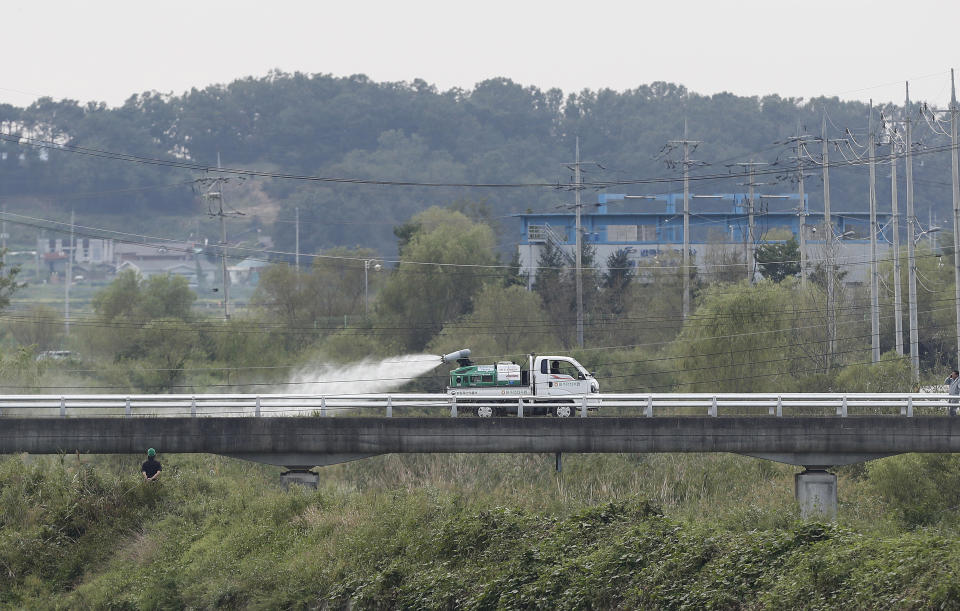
(455, 356)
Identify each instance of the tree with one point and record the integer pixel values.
(120, 298)
(167, 297)
(891, 374)
(616, 280)
(556, 284)
(740, 341)
(550, 266)
(131, 297)
(441, 270)
(41, 327)
(308, 302)
(936, 314)
(505, 322)
(778, 261)
(818, 276)
(512, 276)
(146, 326)
(8, 284)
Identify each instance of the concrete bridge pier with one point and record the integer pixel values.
(816, 493)
(815, 488)
(300, 477)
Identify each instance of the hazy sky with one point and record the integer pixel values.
(106, 50)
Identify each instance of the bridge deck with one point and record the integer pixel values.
(316, 441)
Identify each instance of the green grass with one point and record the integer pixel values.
(466, 531)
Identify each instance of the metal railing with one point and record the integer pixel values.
(546, 233)
(441, 404)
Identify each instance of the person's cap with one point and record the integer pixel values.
(151, 452)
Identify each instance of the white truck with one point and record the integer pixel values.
(556, 385)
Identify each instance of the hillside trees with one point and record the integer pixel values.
(359, 214)
(499, 131)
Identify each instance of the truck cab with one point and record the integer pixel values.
(561, 375)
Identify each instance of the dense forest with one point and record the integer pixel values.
(500, 133)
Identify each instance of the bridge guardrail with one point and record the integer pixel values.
(439, 404)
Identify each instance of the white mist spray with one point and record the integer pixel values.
(367, 376)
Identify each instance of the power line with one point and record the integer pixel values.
(410, 378)
(697, 317)
(252, 253)
(197, 167)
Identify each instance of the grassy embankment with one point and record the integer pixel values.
(465, 531)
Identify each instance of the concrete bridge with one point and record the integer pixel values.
(814, 431)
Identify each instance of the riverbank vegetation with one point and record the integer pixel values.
(474, 532)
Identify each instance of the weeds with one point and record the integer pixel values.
(469, 531)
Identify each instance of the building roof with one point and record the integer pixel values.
(156, 249)
(160, 266)
(249, 264)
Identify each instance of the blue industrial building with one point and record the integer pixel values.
(649, 227)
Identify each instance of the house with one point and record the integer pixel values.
(89, 251)
(246, 271)
(92, 257)
(166, 251)
(197, 271)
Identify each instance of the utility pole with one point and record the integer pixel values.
(751, 209)
(68, 279)
(578, 261)
(3, 237)
(874, 278)
(751, 238)
(911, 254)
(578, 185)
(828, 242)
(955, 171)
(802, 212)
(223, 259)
(686, 217)
(215, 192)
(895, 213)
(296, 231)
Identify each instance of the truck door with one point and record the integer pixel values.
(560, 376)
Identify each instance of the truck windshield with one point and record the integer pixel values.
(565, 368)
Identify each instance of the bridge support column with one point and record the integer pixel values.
(300, 477)
(816, 492)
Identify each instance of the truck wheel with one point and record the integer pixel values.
(484, 411)
(563, 411)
